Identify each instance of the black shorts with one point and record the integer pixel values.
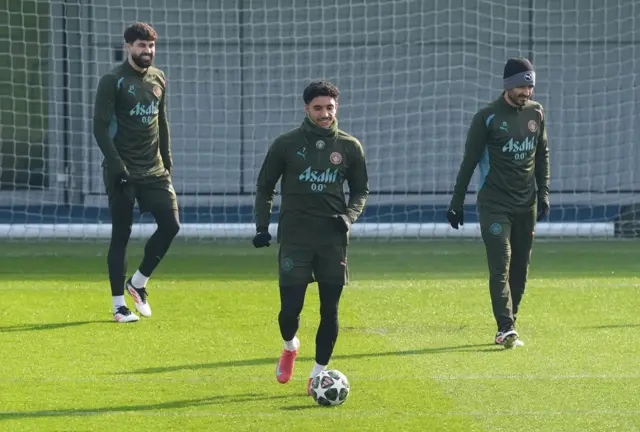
(151, 194)
(301, 265)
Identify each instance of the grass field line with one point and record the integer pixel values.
(311, 410)
(352, 378)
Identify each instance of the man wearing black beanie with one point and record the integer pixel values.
(507, 139)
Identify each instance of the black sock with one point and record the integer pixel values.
(291, 303)
(327, 334)
(158, 244)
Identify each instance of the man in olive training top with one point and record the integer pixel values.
(313, 161)
(507, 139)
(131, 128)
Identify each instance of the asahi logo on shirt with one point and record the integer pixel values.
(312, 176)
(514, 146)
(144, 110)
(319, 179)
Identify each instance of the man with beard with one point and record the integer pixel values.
(313, 160)
(508, 139)
(131, 128)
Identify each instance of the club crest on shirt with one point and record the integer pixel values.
(335, 158)
(319, 144)
(157, 91)
(533, 126)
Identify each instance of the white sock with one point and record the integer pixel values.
(138, 280)
(292, 345)
(117, 302)
(317, 368)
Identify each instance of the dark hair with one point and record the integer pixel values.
(139, 31)
(320, 88)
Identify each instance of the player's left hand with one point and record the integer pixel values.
(455, 217)
(342, 223)
(262, 238)
(543, 209)
(121, 180)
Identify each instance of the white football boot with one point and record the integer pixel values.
(124, 315)
(509, 339)
(140, 298)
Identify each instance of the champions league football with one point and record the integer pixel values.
(330, 388)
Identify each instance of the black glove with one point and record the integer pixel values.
(455, 217)
(543, 209)
(342, 223)
(121, 180)
(262, 238)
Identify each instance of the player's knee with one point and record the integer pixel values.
(329, 300)
(120, 232)
(169, 225)
(291, 305)
(518, 280)
(290, 311)
(172, 228)
(499, 277)
(329, 310)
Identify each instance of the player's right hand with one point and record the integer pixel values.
(455, 217)
(262, 238)
(342, 223)
(121, 180)
(543, 209)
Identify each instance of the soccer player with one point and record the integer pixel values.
(313, 160)
(508, 139)
(131, 128)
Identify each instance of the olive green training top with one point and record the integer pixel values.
(313, 163)
(130, 122)
(509, 145)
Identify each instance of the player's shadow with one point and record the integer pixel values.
(272, 360)
(303, 407)
(46, 326)
(610, 326)
(214, 400)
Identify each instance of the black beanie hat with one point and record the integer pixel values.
(518, 72)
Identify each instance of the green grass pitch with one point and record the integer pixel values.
(415, 342)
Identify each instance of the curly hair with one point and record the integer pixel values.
(140, 31)
(320, 88)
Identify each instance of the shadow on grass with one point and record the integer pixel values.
(304, 407)
(272, 360)
(48, 326)
(610, 326)
(214, 400)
